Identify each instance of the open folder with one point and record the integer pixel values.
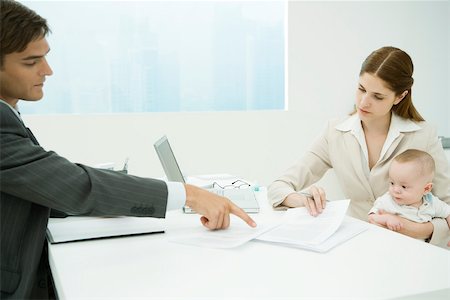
(72, 229)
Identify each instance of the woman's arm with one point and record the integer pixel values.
(441, 180)
(441, 233)
(435, 232)
(416, 230)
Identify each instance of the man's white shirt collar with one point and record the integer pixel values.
(398, 126)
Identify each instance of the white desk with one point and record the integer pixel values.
(377, 264)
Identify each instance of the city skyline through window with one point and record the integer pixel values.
(154, 56)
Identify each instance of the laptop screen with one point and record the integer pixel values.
(168, 160)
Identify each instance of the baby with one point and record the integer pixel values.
(409, 196)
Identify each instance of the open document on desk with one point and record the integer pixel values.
(297, 228)
(321, 233)
(237, 234)
(72, 229)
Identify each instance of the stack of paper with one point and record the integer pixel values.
(86, 228)
(327, 230)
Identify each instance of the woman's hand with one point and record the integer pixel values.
(314, 202)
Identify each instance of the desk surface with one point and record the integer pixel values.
(377, 264)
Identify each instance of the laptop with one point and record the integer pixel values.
(244, 198)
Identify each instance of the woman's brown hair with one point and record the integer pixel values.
(395, 68)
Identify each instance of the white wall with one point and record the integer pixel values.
(327, 43)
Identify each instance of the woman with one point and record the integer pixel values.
(361, 147)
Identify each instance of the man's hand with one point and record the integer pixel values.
(215, 210)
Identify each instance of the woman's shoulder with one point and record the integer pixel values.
(425, 128)
(411, 126)
(423, 136)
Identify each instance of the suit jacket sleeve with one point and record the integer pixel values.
(29, 172)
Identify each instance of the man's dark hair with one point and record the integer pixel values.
(19, 26)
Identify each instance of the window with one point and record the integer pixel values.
(159, 56)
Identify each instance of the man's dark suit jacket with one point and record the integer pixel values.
(33, 181)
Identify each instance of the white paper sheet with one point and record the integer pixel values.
(237, 234)
(300, 228)
(348, 229)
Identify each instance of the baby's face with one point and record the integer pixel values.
(406, 183)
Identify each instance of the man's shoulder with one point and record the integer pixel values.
(7, 108)
(5, 111)
(4, 105)
(9, 121)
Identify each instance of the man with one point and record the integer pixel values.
(33, 180)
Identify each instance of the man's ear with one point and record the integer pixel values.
(428, 188)
(399, 98)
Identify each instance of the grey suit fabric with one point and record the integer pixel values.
(33, 181)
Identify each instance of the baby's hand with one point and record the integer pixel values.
(394, 224)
